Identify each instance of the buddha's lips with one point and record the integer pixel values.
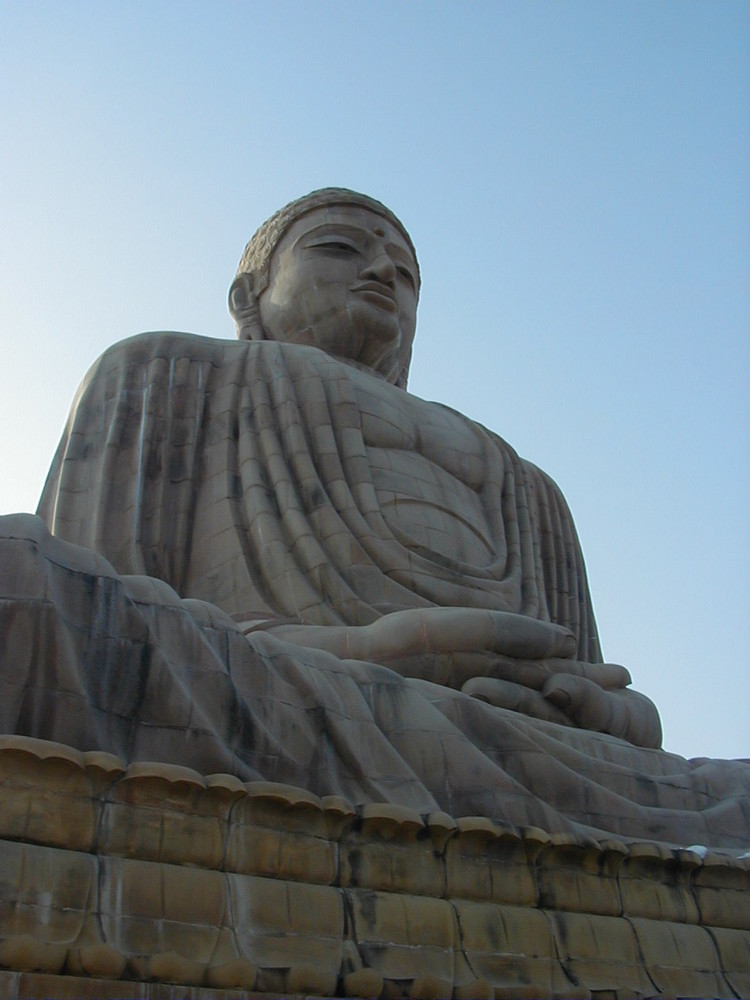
(378, 293)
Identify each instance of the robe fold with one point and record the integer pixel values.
(199, 481)
(101, 661)
(239, 473)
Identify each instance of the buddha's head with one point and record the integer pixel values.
(335, 270)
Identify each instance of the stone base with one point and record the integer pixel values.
(152, 881)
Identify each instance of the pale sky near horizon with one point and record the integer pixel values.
(576, 179)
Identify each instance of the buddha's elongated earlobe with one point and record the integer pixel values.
(243, 306)
(401, 378)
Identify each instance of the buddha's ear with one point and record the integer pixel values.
(243, 306)
(402, 376)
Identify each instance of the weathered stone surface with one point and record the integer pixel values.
(110, 919)
(51, 792)
(599, 953)
(158, 909)
(238, 974)
(24, 952)
(404, 937)
(363, 983)
(304, 693)
(349, 527)
(281, 831)
(34, 986)
(681, 960)
(380, 852)
(512, 948)
(288, 925)
(656, 882)
(733, 947)
(490, 760)
(487, 861)
(721, 887)
(580, 876)
(50, 888)
(162, 812)
(98, 961)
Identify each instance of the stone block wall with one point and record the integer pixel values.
(153, 881)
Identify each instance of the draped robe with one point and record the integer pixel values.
(200, 481)
(244, 474)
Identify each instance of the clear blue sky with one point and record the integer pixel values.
(576, 178)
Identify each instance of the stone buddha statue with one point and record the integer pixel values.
(267, 557)
(337, 271)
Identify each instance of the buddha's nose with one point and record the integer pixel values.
(381, 268)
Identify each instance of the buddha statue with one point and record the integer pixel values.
(266, 557)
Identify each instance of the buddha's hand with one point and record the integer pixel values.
(585, 695)
(508, 660)
(459, 641)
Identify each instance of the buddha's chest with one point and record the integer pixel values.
(428, 468)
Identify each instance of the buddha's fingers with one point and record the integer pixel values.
(536, 673)
(606, 675)
(516, 697)
(517, 635)
(626, 714)
(576, 701)
(437, 631)
(586, 704)
(467, 630)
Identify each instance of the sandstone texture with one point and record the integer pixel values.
(152, 876)
(302, 689)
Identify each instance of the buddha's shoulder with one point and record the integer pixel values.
(169, 345)
(174, 345)
(173, 358)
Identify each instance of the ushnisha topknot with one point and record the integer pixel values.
(257, 256)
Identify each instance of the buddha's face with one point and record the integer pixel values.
(343, 279)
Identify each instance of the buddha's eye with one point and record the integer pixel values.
(335, 246)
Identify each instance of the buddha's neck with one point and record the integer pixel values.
(362, 367)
